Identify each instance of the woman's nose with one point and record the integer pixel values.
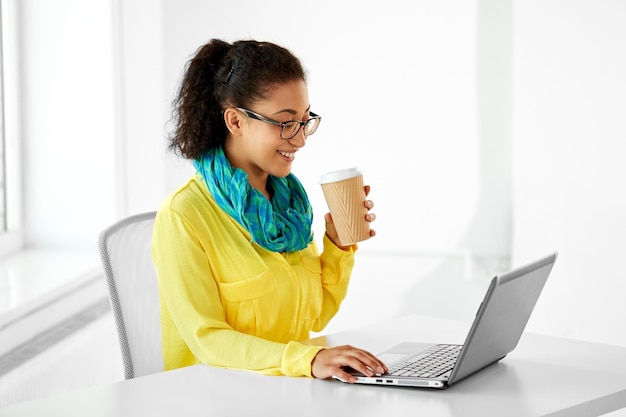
(299, 140)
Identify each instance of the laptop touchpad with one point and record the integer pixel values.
(391, 358)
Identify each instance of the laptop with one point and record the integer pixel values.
(497, 328)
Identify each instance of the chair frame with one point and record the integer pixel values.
(114, 299)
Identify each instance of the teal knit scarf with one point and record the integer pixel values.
(282, 224)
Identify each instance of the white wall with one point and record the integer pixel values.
(143, 104)
(422, 96)
(397, 87)
(570, 171)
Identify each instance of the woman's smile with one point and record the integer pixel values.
(288, 156)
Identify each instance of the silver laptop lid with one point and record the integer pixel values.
(502, 316)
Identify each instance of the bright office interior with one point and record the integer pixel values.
(492, 132)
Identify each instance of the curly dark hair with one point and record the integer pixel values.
(223, 75)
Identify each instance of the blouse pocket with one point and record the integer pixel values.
(315, 294)
(251, 304)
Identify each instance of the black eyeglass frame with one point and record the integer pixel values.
(282, 125)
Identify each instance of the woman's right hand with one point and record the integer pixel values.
(329, 362)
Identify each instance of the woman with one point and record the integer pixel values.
(240, 277)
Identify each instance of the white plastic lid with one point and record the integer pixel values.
(342, 174)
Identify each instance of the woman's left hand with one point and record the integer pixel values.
(331, 232)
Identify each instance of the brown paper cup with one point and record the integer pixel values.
(345, 197)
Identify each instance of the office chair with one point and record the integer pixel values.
(125, 252)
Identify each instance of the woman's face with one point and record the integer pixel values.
(256, 146)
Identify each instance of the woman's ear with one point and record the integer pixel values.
(232, 118)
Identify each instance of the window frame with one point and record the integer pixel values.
(11, 239)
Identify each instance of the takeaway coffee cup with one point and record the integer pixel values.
(345, 197)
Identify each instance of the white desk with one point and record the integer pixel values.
(543, 376)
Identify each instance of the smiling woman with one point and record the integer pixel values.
(241, 279)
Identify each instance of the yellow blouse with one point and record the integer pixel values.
(231, 303)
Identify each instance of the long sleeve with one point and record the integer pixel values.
(228, 302)
(336, 267)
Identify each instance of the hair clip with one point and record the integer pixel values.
(232, 69)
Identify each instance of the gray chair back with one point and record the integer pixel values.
(125, 252)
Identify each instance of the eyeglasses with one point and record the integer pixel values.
(291, 128)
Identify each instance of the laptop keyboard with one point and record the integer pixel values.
(438, 360)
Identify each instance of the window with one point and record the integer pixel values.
(3, 222)
(10, 192)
